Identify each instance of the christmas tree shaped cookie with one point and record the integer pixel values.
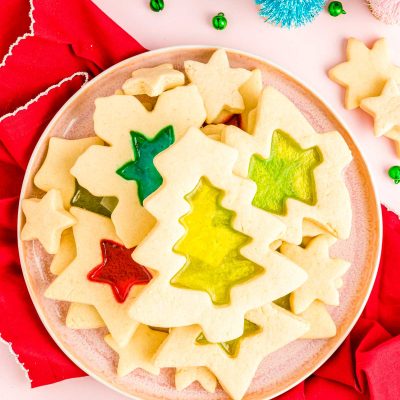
(112, 292)
(298, 172)
(277, 328)
(211, 249)
(115, 118)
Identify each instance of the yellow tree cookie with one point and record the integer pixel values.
(184, 377)
(277, 326)
(322, 270)
(93, 278)
(115, 118)
(46, 219)
(211, 248)
(139, 352)
(298, 171)
(61, 156)
(365, 72)
(218, 84)
(153, 81)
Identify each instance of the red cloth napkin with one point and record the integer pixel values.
(72, 38)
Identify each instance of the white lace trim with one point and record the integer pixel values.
(31, 33)
(44, 93)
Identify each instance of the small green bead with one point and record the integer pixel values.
(219, 21)
(394, 173)
(157, 5)
(335, 8)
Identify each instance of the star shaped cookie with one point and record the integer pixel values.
(139, 352)
(153, 81)
(114, 118)
(366, 71)
(322, 272)
(210, 226)
(298, 171)
(46, 219)
(73, 284)
(218, 84)
(61, 156)
(385, 108)
(278, 328)
(184, 377)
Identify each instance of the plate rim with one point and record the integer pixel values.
(146, 54)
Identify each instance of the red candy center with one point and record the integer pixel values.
(119, 270)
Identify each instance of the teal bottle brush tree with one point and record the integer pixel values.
(289, 13)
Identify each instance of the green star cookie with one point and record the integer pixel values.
(142, 168)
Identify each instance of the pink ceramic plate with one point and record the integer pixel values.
(282, 369)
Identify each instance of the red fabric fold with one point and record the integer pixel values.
(75, 36)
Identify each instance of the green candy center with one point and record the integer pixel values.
(100, 205)
(142, 168)
(287, 173)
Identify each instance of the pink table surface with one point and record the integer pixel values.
(307, 53)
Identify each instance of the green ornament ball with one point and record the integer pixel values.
(219, 21)
(394, 173)
(335, 8)
(157, 5)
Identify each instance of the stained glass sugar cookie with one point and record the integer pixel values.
(298, 171)
(115, 118)
(215, 263)
(102, 274)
